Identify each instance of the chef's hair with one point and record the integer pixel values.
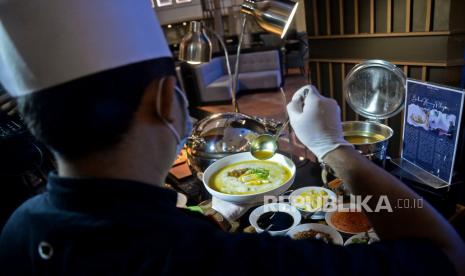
(92, 113)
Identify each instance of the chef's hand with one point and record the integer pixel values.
(316, 121)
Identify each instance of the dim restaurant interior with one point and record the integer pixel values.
(230, 136)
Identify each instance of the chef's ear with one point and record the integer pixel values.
(164, 98)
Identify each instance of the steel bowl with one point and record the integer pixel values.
(248, 198)
(369, 137)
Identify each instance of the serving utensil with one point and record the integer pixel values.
(271, 224)
(268, 228)
(265, 145)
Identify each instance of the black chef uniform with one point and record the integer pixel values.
(118, 227)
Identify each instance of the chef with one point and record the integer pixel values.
(94, 81)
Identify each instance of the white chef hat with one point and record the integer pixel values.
(50, 42)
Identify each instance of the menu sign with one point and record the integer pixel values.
(431, 127)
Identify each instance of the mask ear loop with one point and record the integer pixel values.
(185, 104)
(158, 110)
(183, 96)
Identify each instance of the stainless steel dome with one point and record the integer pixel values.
(223, 134)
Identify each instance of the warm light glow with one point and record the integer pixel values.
(169, 26)
(289, 20)
(301, 158)
(194, 62)
(184, 23)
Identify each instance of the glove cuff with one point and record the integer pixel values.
(324, 151)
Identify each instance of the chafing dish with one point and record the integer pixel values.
(220, 135)
(374, 89)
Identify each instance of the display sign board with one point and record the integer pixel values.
(431, 128)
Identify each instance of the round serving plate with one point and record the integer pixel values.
(337, 238)
(329, 215)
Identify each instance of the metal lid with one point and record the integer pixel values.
(375, 89)
(222, 134)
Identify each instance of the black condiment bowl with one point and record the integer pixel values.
(274, 207)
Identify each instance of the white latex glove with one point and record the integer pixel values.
(316, 121)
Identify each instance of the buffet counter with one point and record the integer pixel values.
(308, 173)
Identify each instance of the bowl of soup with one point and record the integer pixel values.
(240, 178)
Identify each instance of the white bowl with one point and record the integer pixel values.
(331, 196)
(346, 206)
(248, 198)
(283, 207)
(372, 236)
(337, 238)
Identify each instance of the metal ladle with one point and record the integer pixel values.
(265, 145)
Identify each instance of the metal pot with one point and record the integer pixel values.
(374, 89)
(368, 137)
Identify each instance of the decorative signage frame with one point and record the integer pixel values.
(432, 121)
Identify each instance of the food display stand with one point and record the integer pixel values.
(376, 90)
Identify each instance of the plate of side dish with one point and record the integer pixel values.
(315, 231)
(348, 220)
(312, 199)
(363, 238)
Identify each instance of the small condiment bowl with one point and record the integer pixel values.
(275, 207)
(308, 213)
(345, 207)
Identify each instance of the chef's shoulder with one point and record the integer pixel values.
(20, 220)
(15, 237)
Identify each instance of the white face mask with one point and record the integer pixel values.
(180, 140)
